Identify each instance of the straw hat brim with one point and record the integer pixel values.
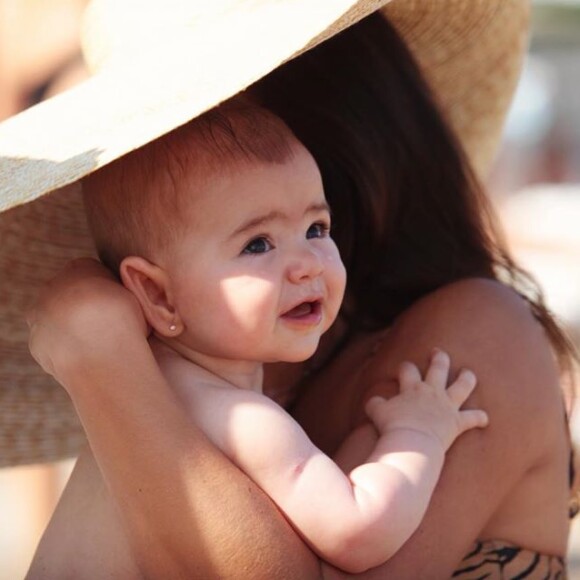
(470, 51)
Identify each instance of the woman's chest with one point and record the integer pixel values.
(332, 400)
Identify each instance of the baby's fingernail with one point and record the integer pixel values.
(439, 352)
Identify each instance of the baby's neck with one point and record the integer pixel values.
(179, 362)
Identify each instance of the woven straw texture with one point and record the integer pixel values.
(37, 420)
(471, 52)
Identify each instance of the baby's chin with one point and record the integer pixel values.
(295, 355)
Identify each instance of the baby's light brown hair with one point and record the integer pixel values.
(136, 205)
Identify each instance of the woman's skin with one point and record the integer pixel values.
(188, 512)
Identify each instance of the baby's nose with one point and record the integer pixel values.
(307, 264)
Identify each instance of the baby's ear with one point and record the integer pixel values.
(150, 285)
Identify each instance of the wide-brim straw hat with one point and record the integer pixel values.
(161, 63)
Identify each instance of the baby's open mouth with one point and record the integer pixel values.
(304, 309)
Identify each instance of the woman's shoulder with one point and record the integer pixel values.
(477, 318)
(521, 459)
(489, 328)
(489, 304)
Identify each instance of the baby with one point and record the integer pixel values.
(221, 231)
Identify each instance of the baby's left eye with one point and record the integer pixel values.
(317, 230)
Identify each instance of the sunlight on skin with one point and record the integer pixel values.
(247, 299)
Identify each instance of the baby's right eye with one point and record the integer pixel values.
(258, 246)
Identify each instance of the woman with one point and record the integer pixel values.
(423, 263)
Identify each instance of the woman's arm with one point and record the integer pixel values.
(189, 511)
(492, 479)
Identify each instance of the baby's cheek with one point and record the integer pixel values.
(336, 273)
(249, 300)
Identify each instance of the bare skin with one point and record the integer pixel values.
(507, 482)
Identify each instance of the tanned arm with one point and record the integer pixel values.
(188, 511)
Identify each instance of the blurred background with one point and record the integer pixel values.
(535, 186)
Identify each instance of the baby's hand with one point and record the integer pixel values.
(428, 406)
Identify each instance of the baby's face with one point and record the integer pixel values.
(256, 276)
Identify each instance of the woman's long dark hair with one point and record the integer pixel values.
(409, 215)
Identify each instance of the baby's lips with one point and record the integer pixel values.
(302, 309)
(307, 305)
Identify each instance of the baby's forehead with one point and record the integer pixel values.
(160, 177)
(208, 179)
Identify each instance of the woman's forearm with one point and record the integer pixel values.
(188, 511)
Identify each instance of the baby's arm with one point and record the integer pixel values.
(358, 521)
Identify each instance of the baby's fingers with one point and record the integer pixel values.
(462, 387)
(376, 410)
(438, 371)
(472, 419)
(409, 376)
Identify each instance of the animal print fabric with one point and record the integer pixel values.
(495, 560)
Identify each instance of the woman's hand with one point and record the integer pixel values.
(82, 312)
